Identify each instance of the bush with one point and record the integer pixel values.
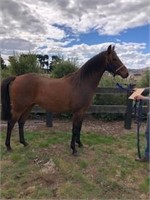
(24, 63)
(109, 99)
(63, 68)
(110, 81)
(144, 81)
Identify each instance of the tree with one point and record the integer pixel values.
(61, 67)
(44, 61)
(2, 65)
(144, 81)
(55, 60)
(24, 63)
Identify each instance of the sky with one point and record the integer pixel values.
(77, 29)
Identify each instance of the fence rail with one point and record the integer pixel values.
(98, 108)
(107, 109)
(127, 109)
(92, 109)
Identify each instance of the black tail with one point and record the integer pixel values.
(5, 98)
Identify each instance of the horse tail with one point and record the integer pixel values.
(5, 98)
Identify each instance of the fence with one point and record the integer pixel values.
(127, 109)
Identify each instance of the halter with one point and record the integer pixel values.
(119, 68)
(138, 117)
(111, 67)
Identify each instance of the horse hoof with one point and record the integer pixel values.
(80, 145)
(25, 144)
(9, 149)
(75, 153)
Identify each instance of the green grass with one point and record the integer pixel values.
(105, 168)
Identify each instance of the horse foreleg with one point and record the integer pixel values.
(77, 124)
(10, 125)
(78, 141)
(73, 140)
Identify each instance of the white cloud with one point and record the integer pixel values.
(42, 26)
(130, 53)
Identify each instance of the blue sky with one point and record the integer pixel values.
(136, 35)
(77, 28)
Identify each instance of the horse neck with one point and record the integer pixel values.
(94, 79)
(92, 71)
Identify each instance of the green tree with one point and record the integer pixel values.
(55, 60)
(44, 62)
(109, 81)
(63, 67)
(24, 63)
(2, 64)
(144, 81)
(5, 72)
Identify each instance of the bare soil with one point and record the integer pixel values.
(90, 124)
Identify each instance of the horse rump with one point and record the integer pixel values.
(5, 98)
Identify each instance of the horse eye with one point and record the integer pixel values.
(114, 59)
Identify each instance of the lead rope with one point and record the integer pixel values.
(138, 116)
(137, 113)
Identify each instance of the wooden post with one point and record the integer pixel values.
(128, 114)
(49, 119)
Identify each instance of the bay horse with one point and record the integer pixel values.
(71, 93)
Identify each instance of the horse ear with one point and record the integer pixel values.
(113, 48)
(109, 49)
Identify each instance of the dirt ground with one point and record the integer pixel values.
(90, 124)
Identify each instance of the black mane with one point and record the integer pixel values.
(94, 65)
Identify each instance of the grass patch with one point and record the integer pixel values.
(93, 139)
(145, 186)
(46, 169)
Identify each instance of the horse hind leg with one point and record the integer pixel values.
(10, 125)
(21, 123)
(21, 133)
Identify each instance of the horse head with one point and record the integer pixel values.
(113, 63)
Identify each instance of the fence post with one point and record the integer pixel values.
(128, 114)
(49, 119)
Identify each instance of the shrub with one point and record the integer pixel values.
(109, 99)
(5, 73)
(63, 68)
(24, 63)
(110, 81)
(144, 81)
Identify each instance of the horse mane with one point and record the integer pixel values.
(92, 66)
